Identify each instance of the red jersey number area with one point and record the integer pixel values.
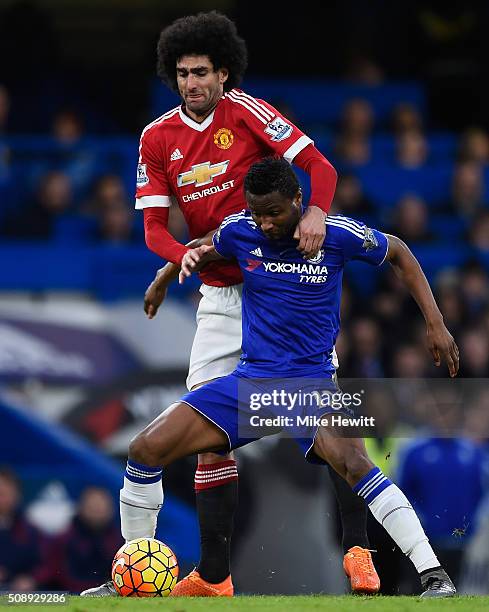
(202, 165)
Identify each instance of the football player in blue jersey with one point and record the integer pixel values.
(291, 319)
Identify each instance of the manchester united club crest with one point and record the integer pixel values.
(223, 138)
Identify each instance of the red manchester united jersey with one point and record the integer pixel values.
(201, 166)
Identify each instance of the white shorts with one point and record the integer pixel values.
(217, 343)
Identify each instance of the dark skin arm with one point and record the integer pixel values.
(440, 342)
(156, 291)
(196, 259)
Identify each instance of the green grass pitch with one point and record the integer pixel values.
(319, 603)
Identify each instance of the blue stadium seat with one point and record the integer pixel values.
(386, 183)
(436, 257)
(448, 228)
(75, 229)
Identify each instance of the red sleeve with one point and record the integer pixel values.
(152, 185)
(323, 176)
(158, 238)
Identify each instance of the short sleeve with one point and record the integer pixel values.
(224, 239)
(269, 126)
(152, 185)
(358, 241)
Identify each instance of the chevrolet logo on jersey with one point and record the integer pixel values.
(202, 174)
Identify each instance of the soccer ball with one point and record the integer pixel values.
(144, 568)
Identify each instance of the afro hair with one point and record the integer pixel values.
(212, 34)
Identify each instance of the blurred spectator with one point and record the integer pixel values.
(78, 158)
(357, 118)
(365, 359)
(20, 543)
(479, 231)
(106, 190)
(474, 146)
(67, 127)
(467, 190)
(476, 426)
(474, 286)
(82, 555)
(53, 199)
(474, 352)
(406, 118)
(410, 361)
(411, 149)
(443, 477)
(52, 510)
(4, 109)
(352, 150)
(387, 307)
(410, 221)
(349, 198)
(450, 301)
(115, 223)
(363, 70)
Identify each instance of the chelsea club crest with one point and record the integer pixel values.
(317, 258)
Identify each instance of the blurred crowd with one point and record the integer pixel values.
(71, 559)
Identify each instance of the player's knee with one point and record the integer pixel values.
(210, 458)
(143, 450)
(357, 465)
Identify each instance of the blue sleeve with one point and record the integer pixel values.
(224, 240)
(358, 241)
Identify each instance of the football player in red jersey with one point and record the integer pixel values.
(197, 155)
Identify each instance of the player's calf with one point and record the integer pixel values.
(348, 456)
(216, 488)
(388, 504)
(178, 432)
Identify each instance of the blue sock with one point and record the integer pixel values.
(143, 474)
(371, 485)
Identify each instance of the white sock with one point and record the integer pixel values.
(140, 501)
(392, 509)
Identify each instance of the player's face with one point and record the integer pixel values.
(275, 214)
(200, 86)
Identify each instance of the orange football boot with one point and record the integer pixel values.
(195, 586)
(360, 569)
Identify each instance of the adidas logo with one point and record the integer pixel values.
(176, 155)
(257, 252)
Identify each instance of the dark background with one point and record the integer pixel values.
(104, 53)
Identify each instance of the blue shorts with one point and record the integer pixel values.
(247, 409)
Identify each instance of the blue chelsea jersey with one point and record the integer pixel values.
(291, 306)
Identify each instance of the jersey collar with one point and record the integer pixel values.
(199, 127)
